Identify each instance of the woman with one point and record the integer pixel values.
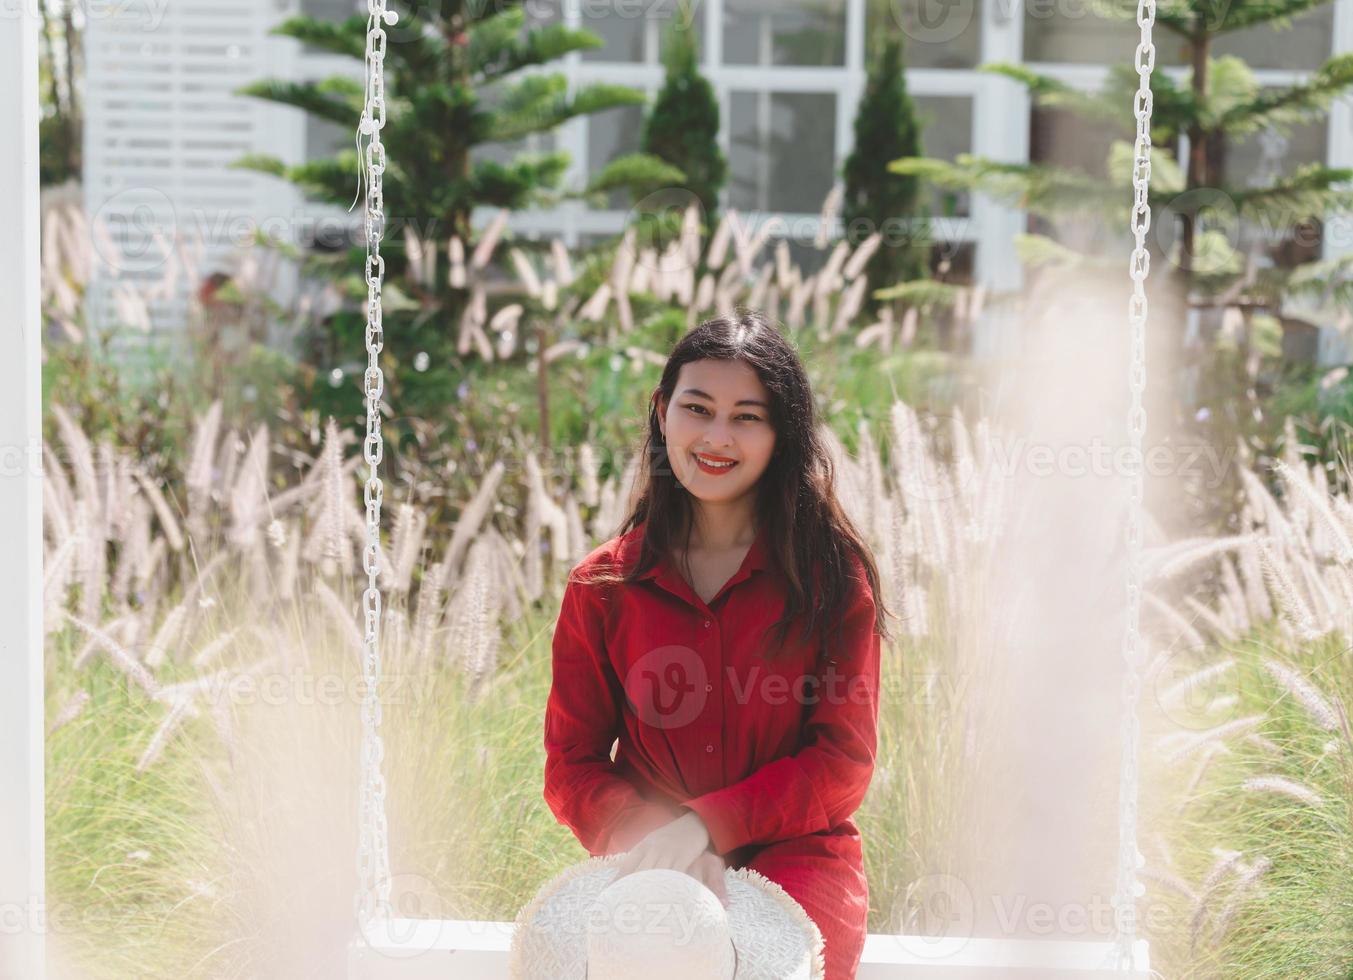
(727, 641)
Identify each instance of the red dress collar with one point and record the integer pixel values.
(666, 574)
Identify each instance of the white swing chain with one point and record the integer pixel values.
(1129, 889)
(373, 848)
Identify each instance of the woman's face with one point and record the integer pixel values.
(719, 411)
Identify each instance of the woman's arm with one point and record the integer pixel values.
(824, 782)
(582, 719)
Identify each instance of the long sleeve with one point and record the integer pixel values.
(824, 782)
(582, 719)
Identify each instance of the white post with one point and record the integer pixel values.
(22, 895)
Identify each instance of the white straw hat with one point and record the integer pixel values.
(584, 924)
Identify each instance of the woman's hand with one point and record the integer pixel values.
(708, 869)
(682, 845)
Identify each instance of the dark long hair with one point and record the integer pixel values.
(810, 536)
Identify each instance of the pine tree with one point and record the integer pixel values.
(682, 127)
(874, 199)
(457, 77)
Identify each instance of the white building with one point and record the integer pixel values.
(163, 122)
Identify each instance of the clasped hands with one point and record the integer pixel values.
(682, 845)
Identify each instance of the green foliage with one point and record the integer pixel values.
(1225, 103)
(682, 127)
(877, 198)
(455, 85)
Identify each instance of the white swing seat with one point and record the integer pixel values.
(437, 949)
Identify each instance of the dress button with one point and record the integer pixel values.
(709, 748)
(707, 624)
(709, 687)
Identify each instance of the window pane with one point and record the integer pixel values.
(946, 131)
(782, 150)
(634, 28)
(934, 35)
(784, 32)
(1078, 33)
(610, 134)
(331, 10)
(1306, 44)
(621, 27)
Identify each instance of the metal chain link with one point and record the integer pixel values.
(1128, 888)
(373, 847)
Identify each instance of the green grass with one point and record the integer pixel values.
(1297, 921)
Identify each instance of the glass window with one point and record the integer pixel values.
(633, 29)
(782, 150)
(324, 139)
(784, 32)
(1079, 33)
(1305, 44)
(946, 131)
(613, 133)
(934, 35)
(1244, 162)
(332, 10)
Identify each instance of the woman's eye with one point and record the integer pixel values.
(745, 415)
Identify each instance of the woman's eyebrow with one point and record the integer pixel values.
(744, 401)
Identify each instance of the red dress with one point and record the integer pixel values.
(774, 756)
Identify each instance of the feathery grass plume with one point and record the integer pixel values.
(532, 570)
(1318, 706)
(212, 649)
(1247, 880)
(1264, 744)
(1171, 881)
(57, 579)
(467, 526)
(133, 552)
(58, 501)
(288, 541)
(109, 498)
(71, 710)
(1199, 771)
(826, 221)
(227, 464)
(507, 576)
(1179, 557)
(427, 615)
(327, 542)
(81, 454)
(577, 534)
(1192, 639)
(1225, 730)
(1256, 593)
(93, 560)
(249, 494)
(1213, 622)
(1284, 787)
(406, 544)
(1236, 611)
(475, 632)
(1226, 860)
(1294, 610)
(1318, 502)
(181, 709)
(1324, 606)
(168, 522)
(588, 467)
(1196, 680)
(349, 621)
(121, 659)
(170, 633)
